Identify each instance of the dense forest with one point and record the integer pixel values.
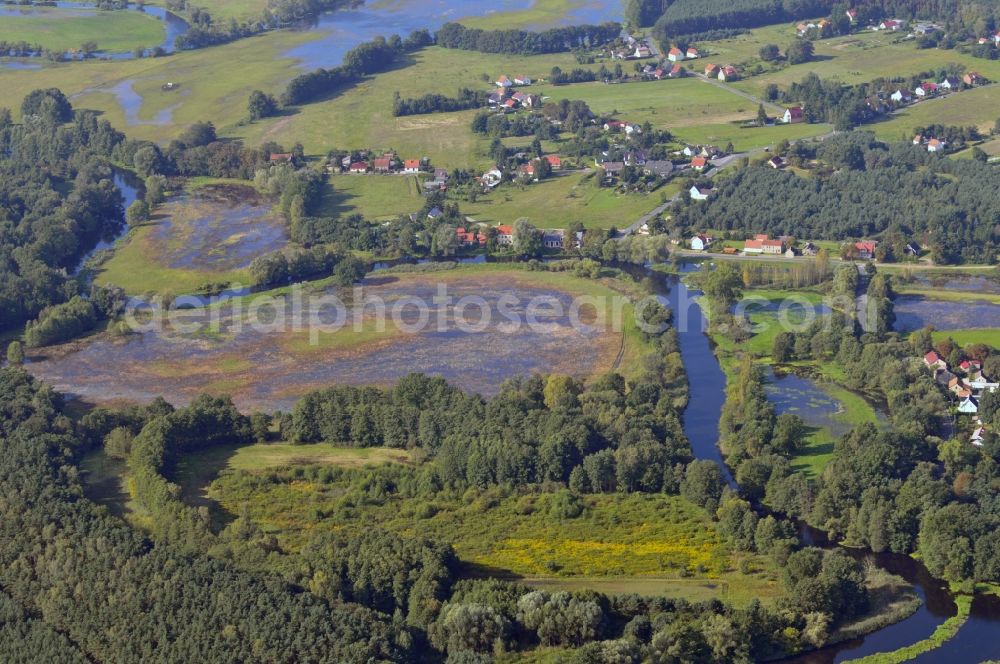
(685, 17)
(948, 204)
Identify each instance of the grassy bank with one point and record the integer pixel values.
(944, 632)
(63, 29)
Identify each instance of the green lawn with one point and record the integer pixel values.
(377, 197)
(750, 138)
(556, 202)
(64, 29)
(542, 14)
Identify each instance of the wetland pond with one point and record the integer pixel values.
(916, 311)
(270, 368)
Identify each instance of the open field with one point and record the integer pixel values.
(269, 364)
(64, 29)
(547, 13)
(988, 336)
(377, 197)
(976, 108)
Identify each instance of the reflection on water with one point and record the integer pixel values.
(344, 29)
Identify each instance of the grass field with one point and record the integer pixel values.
(376, 197)
(977, 108)
(988, 336)
(556, 202)
(64, 29)
(543, 13)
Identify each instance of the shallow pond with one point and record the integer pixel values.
(270, 368)
(961, 282)
(215, 230)
(914, 312)
(802, 396)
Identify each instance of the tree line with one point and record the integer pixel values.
(523, 42)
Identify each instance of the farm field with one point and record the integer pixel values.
(64, 29)
(988, 336)
(546, 13)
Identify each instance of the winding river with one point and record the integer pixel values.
(977, 639)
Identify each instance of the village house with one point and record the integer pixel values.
(776, 162)
(281, 158)
(553, 239)
(504, 82)
(613, 169)
(949, 83)
(528, 171)
(692, 53)
(659, 168)
(554, 161)
(435, 214)
(522, 80)
(675, 54)
(358, 167)
(809, 249)
(912, 249)
(865, 250)
(762, 244)
(790, 252)
(701, 242)
(676, 72)
(700, 193)
(793, 115)
(699, 163)
(642, 52)
(926, 89)
(729, 73)
(852, 15)
(901, 96)
(505, 236)
(470, 238)
(711, 70)
(892, 24)
(936, 145)
(411, 165)
(969, 406)
(971, 78)
(970, 365)
(383, 164)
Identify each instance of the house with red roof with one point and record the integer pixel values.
(865, 250)
(971, 78)
(470, 238)
(554, 161)
(794, 115)
(281, 158)
(676, 71)
(504, 82)
(382, 164)
(692, 53)
(675, 54)
(729, 73)
(926, 89)
(711, 70)
(358, 167)
(505, 235)
(411, 166)
(970, 365)
(934, 361)
(762, 244)
(699, 163)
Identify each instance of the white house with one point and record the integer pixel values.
(700, 242)
(504, 82)
(901, 96)
(793, 115)
(522, 80)
(969, 406)
(700, 193)
(492, 178)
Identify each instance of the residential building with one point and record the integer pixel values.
(968, 406)
(358, 167)
(762, 244)
(692, 53)
(553, 239)
(700, 193)
(699, 163)
(505, 236)
(793, 115)
(865, 250)
(901, 96)
(411, 166)
(504, 82)
(701, 242)
(711, 70)
(675, 54)
(729, 73)
(522, 80)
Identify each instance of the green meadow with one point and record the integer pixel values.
(64, 29)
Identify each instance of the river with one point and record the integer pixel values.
(975, 642)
